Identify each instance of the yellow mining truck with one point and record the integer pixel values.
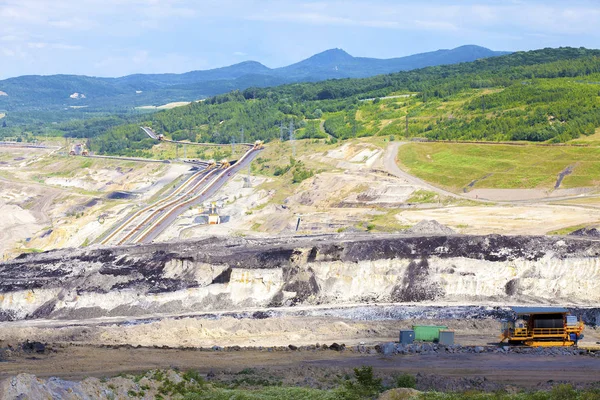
(542, 327)
(78, 149)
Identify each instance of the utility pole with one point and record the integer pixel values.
(406, 124)
(281, 132)
(292, 138)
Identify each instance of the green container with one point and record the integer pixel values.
(428, 333)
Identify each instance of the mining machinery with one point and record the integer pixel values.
(542, 327)
(78, 149)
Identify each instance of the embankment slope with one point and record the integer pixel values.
(228, 274)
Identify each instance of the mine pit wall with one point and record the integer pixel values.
(216, 274)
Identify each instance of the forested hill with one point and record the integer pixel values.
(58, 92)
(543, 95)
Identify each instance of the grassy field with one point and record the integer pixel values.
(456, 166)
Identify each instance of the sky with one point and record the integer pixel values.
(121, 37)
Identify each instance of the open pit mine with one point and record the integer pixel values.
(296, 308)
(230, 275)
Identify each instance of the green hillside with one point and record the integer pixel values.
(462, 167)
(548, 95)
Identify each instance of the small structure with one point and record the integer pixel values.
(213, 215)
(542, 326)
(407, 337)
(446, 338)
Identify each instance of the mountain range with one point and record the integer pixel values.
(72, 92)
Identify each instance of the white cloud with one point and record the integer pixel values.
(575, 17)
(9, 38)
(57, 46)
(37, 45)
(65, 46)
(125, 36)
(307, 18)
(8, 52)
(436, 25)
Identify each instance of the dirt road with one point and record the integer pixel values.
(390, 164)
(523, 370)
(501, 196)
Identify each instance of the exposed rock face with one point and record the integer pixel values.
(219, 274)
(591, 231)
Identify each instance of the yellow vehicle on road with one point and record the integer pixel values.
(542, 326)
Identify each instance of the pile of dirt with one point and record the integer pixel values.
(429, 227)
(588, 231)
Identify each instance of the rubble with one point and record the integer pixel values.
(588, 231)
(429, 227)
(391, 349)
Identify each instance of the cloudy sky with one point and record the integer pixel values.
(120, 37)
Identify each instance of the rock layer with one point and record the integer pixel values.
(228, 274)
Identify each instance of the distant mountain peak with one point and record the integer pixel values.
(335, 51)
(333, 63)
(248, 63)
(470, 46)
(331, 55)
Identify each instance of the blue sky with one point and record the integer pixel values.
(120, 37)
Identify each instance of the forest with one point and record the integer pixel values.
(548, 95)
